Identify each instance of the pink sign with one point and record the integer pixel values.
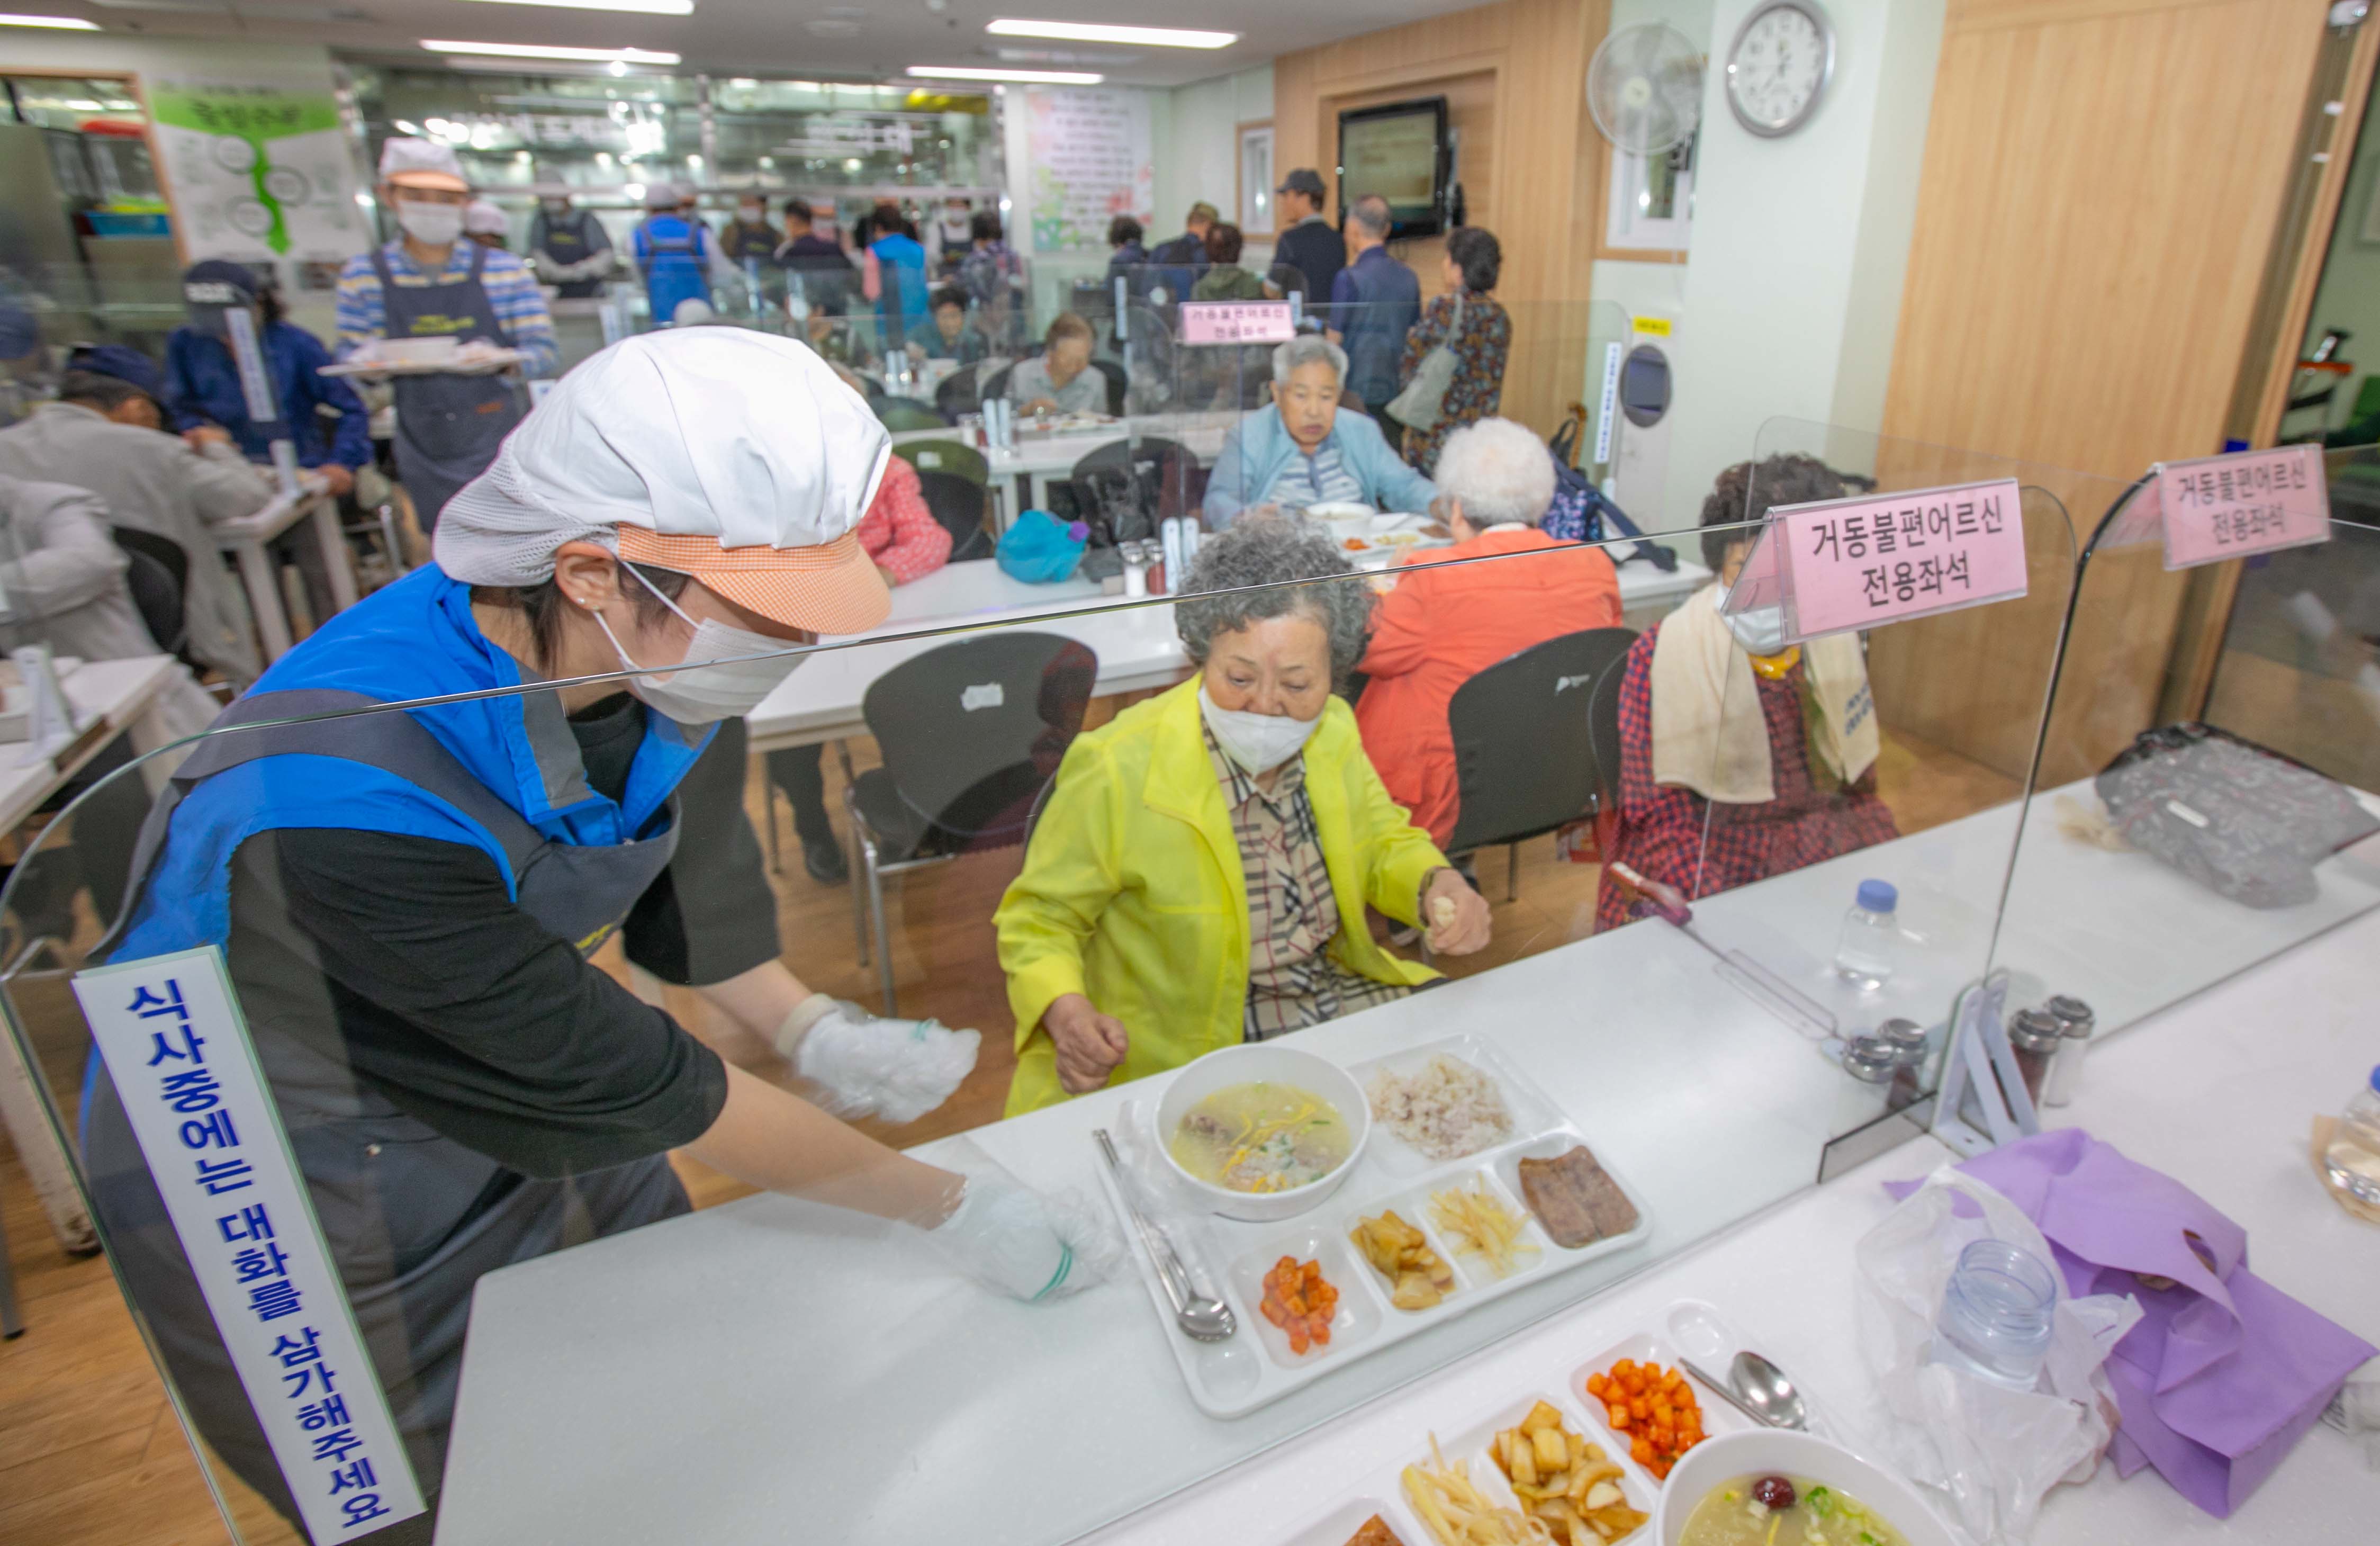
(1856, 563)
(2248, 502)
(1237, 321)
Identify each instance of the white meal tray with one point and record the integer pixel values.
(500, 358)
(1689, 1323)
(1391, 1174)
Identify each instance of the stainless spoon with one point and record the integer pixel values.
(1201, 1319)
(1767, 1393)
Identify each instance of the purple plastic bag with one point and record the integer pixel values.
(2224, 1371)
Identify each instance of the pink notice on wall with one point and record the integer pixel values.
(1856, 563)
(1237, 321)
(2249, 501)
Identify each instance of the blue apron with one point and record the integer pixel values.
(676, 267)
(413, 1217)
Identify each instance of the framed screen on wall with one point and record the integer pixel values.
(1400, 151)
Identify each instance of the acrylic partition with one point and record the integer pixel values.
(2160, 858)
(1840, 819)
(355, 1085)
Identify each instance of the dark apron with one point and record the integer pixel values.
(447, 426)
(568, 244)
(412, 1217)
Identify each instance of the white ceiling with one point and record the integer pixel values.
(798, 38)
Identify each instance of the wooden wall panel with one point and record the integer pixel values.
(1513, 74)
(2101, 189)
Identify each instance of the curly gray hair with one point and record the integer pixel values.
(1244, 575)
(1307, 349)
(1500, 470)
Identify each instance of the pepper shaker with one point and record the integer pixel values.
(2075, 1024)
(1909, 1044)
(1871, 1063)
(2033, 1035)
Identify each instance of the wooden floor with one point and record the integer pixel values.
(91, 1453)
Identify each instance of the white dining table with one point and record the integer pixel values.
(1039, 453)
(1134, 639)
(246, 540)
(772, 1369)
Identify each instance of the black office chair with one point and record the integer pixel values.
(957, 504)
(1523, 758)
(1603, 732)
(1125, 488)
(995, 384)
(957, 394)
(970, 733)
(1119, 381)
(158, 578)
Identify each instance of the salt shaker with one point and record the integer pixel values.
(2075, 1024)
(2034, 1034)
(1871, 1063)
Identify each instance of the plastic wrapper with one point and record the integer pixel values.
(1993, 1452)
(1164, 1202)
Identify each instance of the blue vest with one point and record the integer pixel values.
(415, 638)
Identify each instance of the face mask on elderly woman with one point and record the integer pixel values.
(1258, 743)
(1760, 629)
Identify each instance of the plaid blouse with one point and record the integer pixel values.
(1292, 911)
(1477, 389)
(1662, 825)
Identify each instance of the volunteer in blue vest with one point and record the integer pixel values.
(431, 283)
(673, 251)
(406, 900)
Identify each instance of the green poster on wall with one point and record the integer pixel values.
(257, 171)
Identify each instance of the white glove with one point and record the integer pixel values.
(1008, 1236)
(895, 1069)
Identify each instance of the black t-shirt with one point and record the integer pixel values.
(404, 959)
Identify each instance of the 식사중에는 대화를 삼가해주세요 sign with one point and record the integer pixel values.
(182, 1064)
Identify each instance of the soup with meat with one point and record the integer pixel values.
(1261, 1138)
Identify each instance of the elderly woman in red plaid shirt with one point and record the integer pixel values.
(907, 544)
(1741, 757)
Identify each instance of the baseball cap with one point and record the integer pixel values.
(212, 288)
(1305, 180)
(123, 363)
(729, 455)
(421, 163)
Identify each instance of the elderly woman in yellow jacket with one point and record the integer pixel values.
(1199, 875)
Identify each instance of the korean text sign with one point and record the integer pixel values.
(1237, 321)
(2249, 501)
(1856, 563)
(180, 1058)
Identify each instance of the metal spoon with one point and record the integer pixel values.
(1767, 1393)
(1203, 1320)
(1718, 1388)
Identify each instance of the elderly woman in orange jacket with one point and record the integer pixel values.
(1443, 625)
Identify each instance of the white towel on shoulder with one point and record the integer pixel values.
(1708, 732)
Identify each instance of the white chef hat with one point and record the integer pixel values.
(421, 163)
(732, 456)
(483, 218)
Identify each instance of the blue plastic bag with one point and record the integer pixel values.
(1041, 549)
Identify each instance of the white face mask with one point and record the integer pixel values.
(713, 692)
(751, 214)
(1761, 630)
(557, 206)
(1258, 743)
(431, 225)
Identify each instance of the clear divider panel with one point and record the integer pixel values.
(595, 1066)
(1832, 778)
(2206, 793)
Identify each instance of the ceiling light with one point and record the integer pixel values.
(645, 7)
(973, 72)
(61, 23)
(1096, 31)
(539, 51)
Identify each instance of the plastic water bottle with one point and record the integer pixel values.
(2353, 1158)
(1871, 937)
(1995, 1312)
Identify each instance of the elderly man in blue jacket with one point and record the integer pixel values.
(1300, 450)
